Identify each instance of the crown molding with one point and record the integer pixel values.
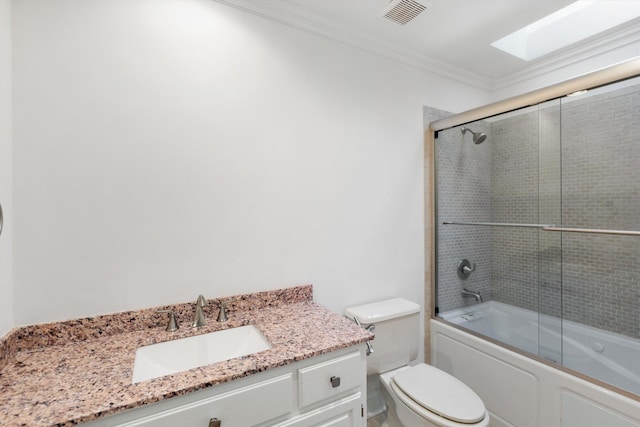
(301, 19)
(568, 57)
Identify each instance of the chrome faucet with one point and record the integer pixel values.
(198, 318)
(467, 293)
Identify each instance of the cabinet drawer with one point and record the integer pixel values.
(315, 381)
(243, 407)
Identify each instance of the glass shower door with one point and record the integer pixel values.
(549, 244)
(601, 272)
(492, 196)
(538, 231)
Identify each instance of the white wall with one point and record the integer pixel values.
(166, 148)
(6, 267)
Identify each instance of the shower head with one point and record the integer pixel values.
(478, 137)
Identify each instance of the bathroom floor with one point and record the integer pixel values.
(377, 421)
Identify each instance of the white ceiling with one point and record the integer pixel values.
(452, 37)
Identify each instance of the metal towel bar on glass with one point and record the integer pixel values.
(548, 227)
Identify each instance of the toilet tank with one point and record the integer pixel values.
(397, 332)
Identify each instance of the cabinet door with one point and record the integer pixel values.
(244, 407)
(346, 412)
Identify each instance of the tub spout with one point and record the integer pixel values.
(467, 293)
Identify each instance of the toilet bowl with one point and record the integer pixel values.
(424, 396)
(420, 395)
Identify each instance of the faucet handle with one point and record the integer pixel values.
(172, 326)
(222, 316)
(465, 268)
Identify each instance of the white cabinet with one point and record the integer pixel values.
(327, 390)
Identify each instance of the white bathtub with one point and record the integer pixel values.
(520, 391)
(609, 357)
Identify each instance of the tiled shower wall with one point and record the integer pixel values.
(601, 189)
(526, 190)
(463, 179)
(514, 177)
(514, 199)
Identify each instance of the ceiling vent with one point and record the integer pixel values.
(402, 11)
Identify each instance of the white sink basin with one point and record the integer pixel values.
(169, 357)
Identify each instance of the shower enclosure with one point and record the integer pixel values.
(537, 231)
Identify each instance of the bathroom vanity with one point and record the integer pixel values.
(326, 390)
(81, 371)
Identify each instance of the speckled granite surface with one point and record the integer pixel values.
(66, 373)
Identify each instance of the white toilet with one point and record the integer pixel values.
(415, 396)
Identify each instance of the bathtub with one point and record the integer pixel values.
(609, 357)
(524, 392)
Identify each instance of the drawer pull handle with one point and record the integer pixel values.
(335, 382)
(214, 422)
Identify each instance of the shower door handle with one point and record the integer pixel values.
(590, 230)
(1, 218)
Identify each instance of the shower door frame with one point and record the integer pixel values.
(618, 72)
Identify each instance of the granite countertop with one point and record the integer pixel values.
(67, 373)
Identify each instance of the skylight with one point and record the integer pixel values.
(577, 21)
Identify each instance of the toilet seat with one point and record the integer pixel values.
(431, 392)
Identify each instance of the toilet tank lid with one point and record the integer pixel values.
(382, 310)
